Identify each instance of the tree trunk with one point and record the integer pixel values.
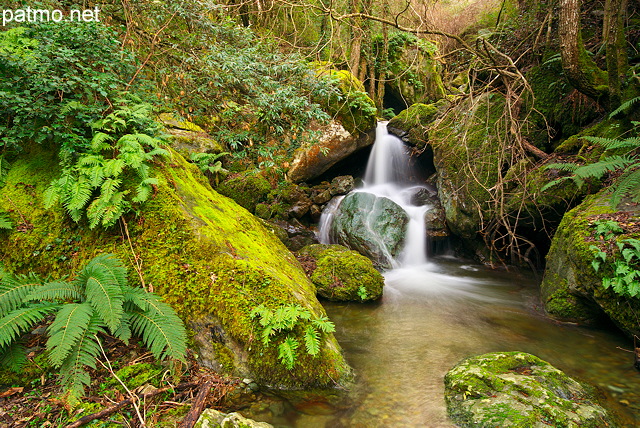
(581, 71)
(615, 12)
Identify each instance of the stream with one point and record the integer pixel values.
(437, 311)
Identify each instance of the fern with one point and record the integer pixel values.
(93, 183)
(287, 352)
(620, 156)
(97, 300)
(5, 221)
(13, 357)
(624, 106)
(285, 320)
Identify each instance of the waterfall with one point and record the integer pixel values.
(389, 174)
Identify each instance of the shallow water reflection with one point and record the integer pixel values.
(433, 316)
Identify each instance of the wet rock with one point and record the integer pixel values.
(297, 235)
(425, 196)
(322, 197)
(341, 185)
(515, 389)
(342, 275)
(211, 418)
(436, 222)
(335, 144)
(371, 225)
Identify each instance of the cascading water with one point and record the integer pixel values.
(389, 175)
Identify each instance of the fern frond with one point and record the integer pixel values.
(311, 340)
(72, 106)
(598, 169)
(627, 184)
(66, 330)
(613, 144)
(164, 336)
(77, 198)
(106, 210)
(101, 279)
(57, 290)
(567, 166)
(13, 357)
(14, 289)
(101, 141)
(73, 373)
(113, 167)
(625, 105)
(90, 161)
(21, 320)
(148, 302)
(5, 221)
(323, 324)
(124, 332)
(287, 352)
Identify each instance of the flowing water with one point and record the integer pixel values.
(435, 313)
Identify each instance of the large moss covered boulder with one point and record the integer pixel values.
(342, 275)
(515, 389)
(572, 290)
(467, 153)
(372, 225)
(207, 256)
(211, 418)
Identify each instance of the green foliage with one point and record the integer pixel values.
(624, 264)
(621, 156)
(97, 300)
(362, 292)
(5, 221)
(209, 164)
(283, 321)
(113, 173)
(48, 67)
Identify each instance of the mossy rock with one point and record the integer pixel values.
(187, 137)
(211, 418)
(515, 389)
(247, 189)
(353, 108)
(571, 289)
(467, 148)
(207, 256)
(411, 124)
(343, 275)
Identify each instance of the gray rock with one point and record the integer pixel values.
(515, 389)
(371, 225)
(214, 419)
(341, 185)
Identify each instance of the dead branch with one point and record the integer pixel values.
(198, 405)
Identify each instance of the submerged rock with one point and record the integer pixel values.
(515, 389)
(342, 275)
(371, 225)
(211, 418)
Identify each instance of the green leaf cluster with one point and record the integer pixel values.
(95, 181)
(209, 164)
(282, 322)
(623, 267)
(96, 300)
(621, 156)
(49, 65)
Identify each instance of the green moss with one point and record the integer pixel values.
(414, 121)
(515, 389)
(247, 189)
(137, 375)
(201, 251)
(353, 108)
(468, 148)
(345, 275)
